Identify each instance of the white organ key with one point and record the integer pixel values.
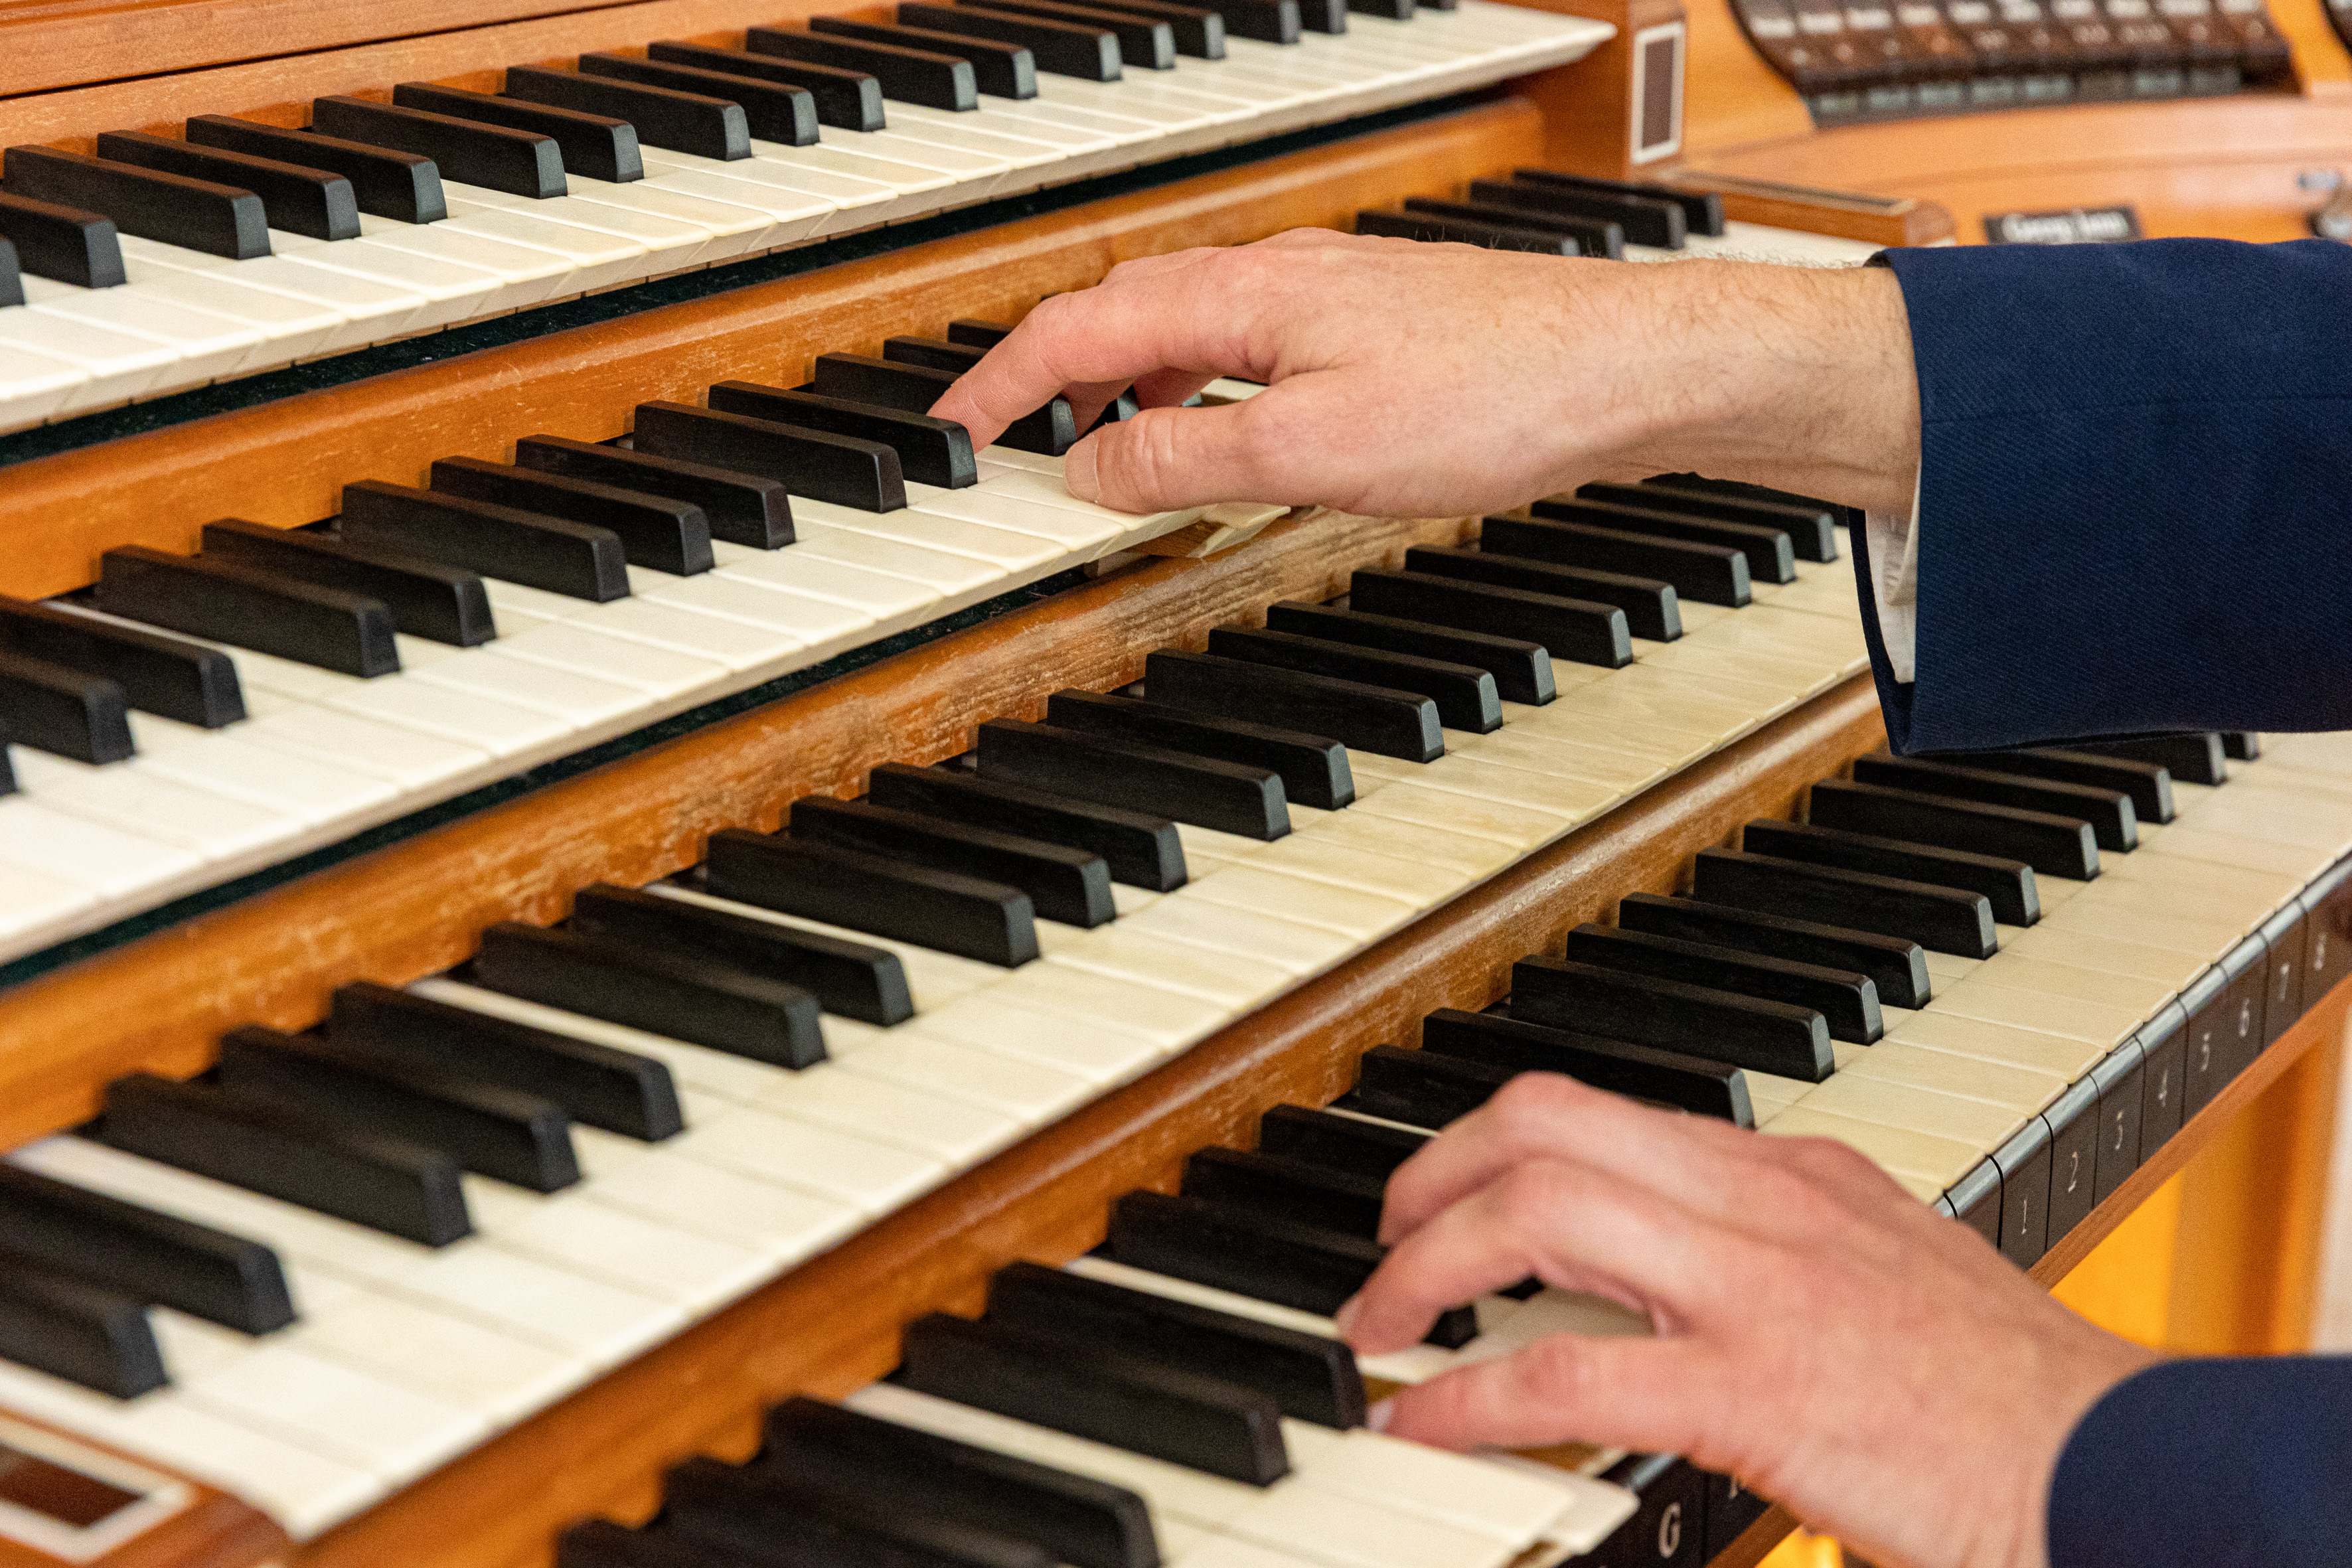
(593, 259)
(452, 292)
(1360, 916)
(142, 802)
(736, 229)
(34, 387)
(917, 188)
(32, 902)
(468, 1365)
(1234, 983)
(1062, 529)
(204, 345)
(305, 1490)
(854, 203)
(308, 791)
(999, 550)
(108, 860)
(885, 1112)
(669, 245)
(1302, 950)
(791, 217)
(346, 1413)
(1170, 1017)
(116, 366)
(1030, 1094)
(1103, 1054)
(573, 1231)
(525, 276)
(958, 580)
(890, 602)
(369, 311)
(871, 1177)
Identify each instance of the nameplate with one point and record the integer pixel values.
(2076, 226)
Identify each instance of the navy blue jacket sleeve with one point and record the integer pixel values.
(2135, 511)
(2210, 1464)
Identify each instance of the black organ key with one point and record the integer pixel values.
(595, 146)
(772, 1516)
(1090, 54)
(1668, 1526)
(1812, 529)
(1323, 15)
(741, 508)
(1144, 40)
(1730, 1509)
(2242, 745)
(1094, 1390)
(1771, 554)
(937, 353)
(1049, 430)
(1337, 1143)
(1579, 630)
(601, 1543)
(158, 673)
(426, 599)
(2110, 812)
(2010, 885)
(994, 923)
(1380, 720)
(1431, 229)
(497, 1132)
(385, 183)
(60, 710)
(849, 978)
(1072, 885)
(231, 603)
(1307, 1376)
(848, 98)
(661, 991)
(914, 76)
(2163, 1043)
(1394, 10)
(519, 162)
(314, 202)
(689, 122)
(147, 1256)
(1652, 609)
(1521, 671)
(2075, 1125)
(1464, 694)
(1588, 236)
(196, 215)
(2150, 784)
(999, 70)
(1896, 965)
(664, 535)
(618, 1090)
(2121, 1081)
(2198, 759)
(1847, 1000)
(1314, 768)
(1267, 21)
(83, 1333)
(1646, 220)
(1687, 1083)
(1711, 574)
(1142, 849)
(931, 451)
(1740, 490)
(1196, 31)
(367, 1177)
(2053, 846)
(774, 110)
(841, 469)
(1207, 792)
(72, 245)
(1749, 1032)
(1254, 1254)
(982, 335)
(1293, 1189)
(1076, 1519)
(2024, 1166)
(1943, 920)
(1423, 1089)
(1702, 210)
(580, 560)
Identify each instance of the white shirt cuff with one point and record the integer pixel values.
(1894, 584)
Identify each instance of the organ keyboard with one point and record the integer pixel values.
(677, 888)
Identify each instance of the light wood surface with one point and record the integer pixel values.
(2224, 167)
(832, 1325)
(284, 463)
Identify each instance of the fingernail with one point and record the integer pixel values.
(1346, 1316)
(1377, 1416)
(1078, 472)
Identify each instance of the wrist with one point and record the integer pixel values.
(1797, 378)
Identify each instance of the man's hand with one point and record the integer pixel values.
(1821, 1335)
(1433, 380)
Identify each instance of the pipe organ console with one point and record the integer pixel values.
(621, 952)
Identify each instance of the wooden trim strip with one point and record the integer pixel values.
(284, 463)
(416, 907)
(832, 1325)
